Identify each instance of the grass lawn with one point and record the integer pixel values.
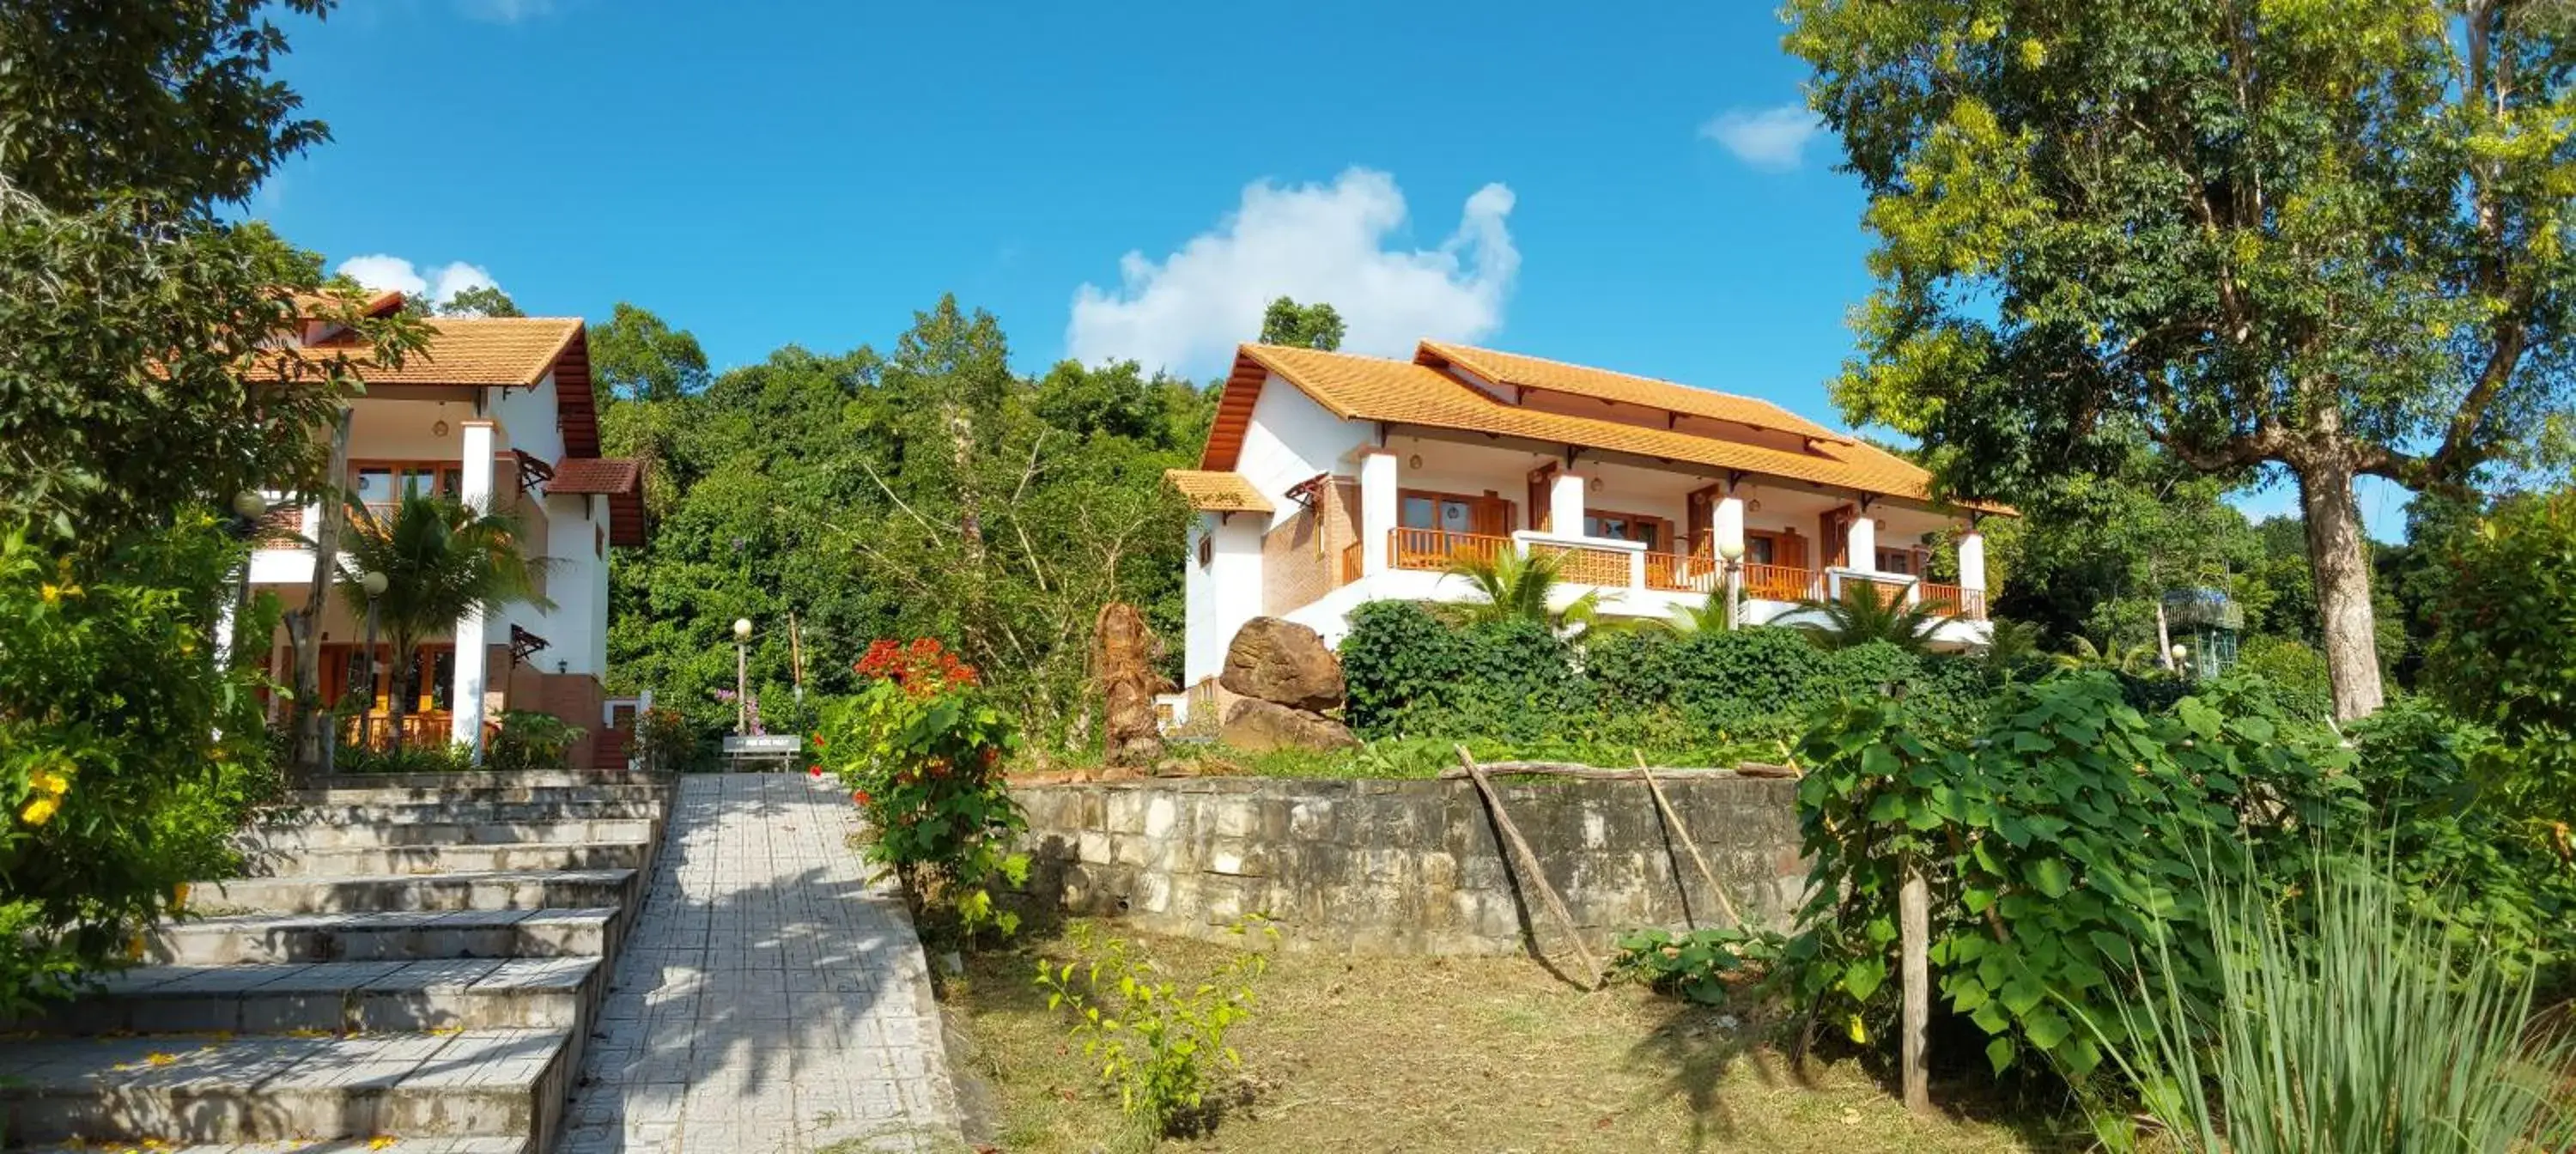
(1447, 1054)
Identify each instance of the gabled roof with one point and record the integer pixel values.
(474, 352)
(1414, 393)
(1218, 492)
(1538, 373)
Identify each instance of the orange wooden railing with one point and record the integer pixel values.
(1350, 565)
(1678, 574)
(1967, 603)
(1439, 548)
(430, 729)
(1779, 583)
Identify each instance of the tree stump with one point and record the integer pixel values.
(1123, 660)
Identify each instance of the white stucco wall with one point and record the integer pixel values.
(1222, 595)
(1291, 438)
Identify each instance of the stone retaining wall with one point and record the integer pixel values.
(1406, 867)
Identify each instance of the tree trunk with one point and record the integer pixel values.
(309, 715)
(2341, 568)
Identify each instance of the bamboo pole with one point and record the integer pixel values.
(1530, 867)
(1725, 905)
(1597, 773)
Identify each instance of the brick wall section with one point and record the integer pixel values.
(1301, 559)
(1406, 867)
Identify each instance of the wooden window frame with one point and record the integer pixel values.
(1664, 541)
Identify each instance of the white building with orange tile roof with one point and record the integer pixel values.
(497, 412)
(1330, 480)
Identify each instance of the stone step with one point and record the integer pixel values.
(453, 812)
(331, 997)
(394, 936)
(365, 861)
(484, 777)
(305, 838)
(251, 1088)
(331, 1146)
(496, 890)
(506, 794)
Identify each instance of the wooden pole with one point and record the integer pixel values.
(796, 654)
(1914, 931)
(1529, 866)
(1596, 773)
(1724, 904)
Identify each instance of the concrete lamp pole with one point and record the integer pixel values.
(1733, 553)
(374, 584)
(741, 675)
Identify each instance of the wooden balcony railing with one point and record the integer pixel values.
(1677, 574)
(427, 729)
(1969, 604)
(1437, 549)
(1779, 582)
(1350, 565)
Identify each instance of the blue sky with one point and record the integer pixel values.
(1637, 191)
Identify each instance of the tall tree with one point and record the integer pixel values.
(2328, 237)
(1315, 326)
(639, 356)
(480, 301)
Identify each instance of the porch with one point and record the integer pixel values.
(1608, 565)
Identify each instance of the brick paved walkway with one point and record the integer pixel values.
(770, 999)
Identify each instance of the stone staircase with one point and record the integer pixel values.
(415, 957)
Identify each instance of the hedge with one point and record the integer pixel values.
(1412, 674)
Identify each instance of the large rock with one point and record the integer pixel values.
(1283, 663)
(1254, 725)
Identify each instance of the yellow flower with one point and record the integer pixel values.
(1859, 1033)
(179, 896)
(52, 782)
(40, 811)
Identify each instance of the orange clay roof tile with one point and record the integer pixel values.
(1528, 372)
(1218, 492)
(1408, 392)
(511, 351)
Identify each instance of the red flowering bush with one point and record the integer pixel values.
(921, 751)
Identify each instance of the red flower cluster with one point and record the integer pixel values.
(924, 669)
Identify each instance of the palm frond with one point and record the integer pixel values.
(1863, 615)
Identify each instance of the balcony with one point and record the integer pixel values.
(1614, 565)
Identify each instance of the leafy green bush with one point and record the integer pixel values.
(666, 740)
(532, 740)
(1161, 1043)
(2502, 653)
(921, 750)
(128, 754)
(1693, 964)
(2349, 1025)
(2070, 824)
(1407, 671)
(409, 759)
(2292, 671)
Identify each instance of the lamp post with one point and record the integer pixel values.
(1732, 552)
(374, 584)
(741, 675)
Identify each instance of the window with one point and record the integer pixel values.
(1898, 561)
(1447, 514)
(1761, 550)
(1623, 527)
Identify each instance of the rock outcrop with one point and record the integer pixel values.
(1285, 678)
(1283, 662)
(1257, 726)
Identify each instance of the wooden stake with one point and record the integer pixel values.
(1530, 868)
(795, 651)
(1724, 904)
(1914, 930)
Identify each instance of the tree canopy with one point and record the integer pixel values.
(2324, 237)
(1315, 326)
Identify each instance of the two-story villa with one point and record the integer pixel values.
(494, 411)
(1330, 480)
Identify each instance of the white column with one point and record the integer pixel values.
(465, 697)
(1972, 560)
(1864, 542)
(1565, 503)
(1377, 511)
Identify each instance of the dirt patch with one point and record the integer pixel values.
(1452, 1054)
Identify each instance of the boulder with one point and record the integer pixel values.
(1254, 725)
(1283, 663)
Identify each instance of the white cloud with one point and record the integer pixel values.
(440, 284)
(1317, 243)
(1770, 139)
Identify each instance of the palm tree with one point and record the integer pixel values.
(441, 559)
(1712, 614)
(1518, 588)
(2110, 654)
(1863, 615)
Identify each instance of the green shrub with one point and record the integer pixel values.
(409, 759)
(2502, 653)
(1161, 1043)
(1693, 964)
(1408, 672)
(921, 750)
(532, 740)
(128, 754)
(2343, 1023)
(2291, 671)
(666, 741)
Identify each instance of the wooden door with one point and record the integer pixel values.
(1541, 501)
(1493, 516)
(1833, 533)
